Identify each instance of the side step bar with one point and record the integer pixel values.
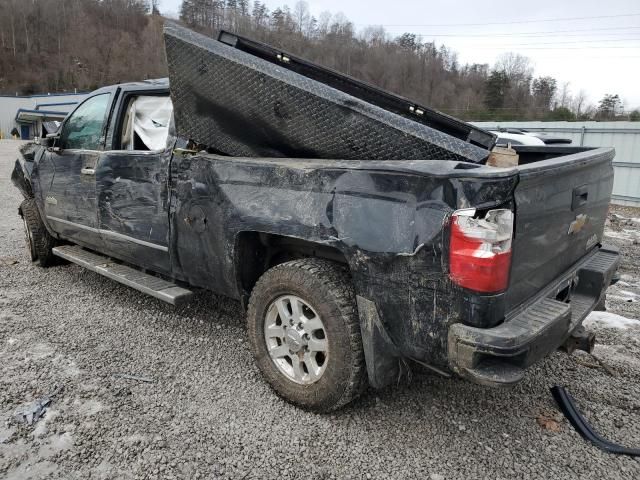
(144, 282)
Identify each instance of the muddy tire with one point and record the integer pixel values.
(304, 333)
(39, 241)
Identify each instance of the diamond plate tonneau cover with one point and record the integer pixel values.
(363, 91)
(240, 105)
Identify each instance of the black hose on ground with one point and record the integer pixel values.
(566, 403)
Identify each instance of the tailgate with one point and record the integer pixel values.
(561, 205)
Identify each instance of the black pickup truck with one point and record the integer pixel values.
(363, 233)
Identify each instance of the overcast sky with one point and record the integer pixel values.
(599, 54)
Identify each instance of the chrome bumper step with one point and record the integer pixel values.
(143, 282)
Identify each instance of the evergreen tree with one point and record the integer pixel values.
(544, 89)
(609, 107)
(496, 88)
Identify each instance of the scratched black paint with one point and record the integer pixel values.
(374, 215)
(133, 198)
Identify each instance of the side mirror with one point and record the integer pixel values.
(49, 142)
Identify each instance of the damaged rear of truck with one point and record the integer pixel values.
(457, 265)
(363, 232)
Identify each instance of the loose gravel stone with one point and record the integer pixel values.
(208, 413)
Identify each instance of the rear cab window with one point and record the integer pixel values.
(145, 123)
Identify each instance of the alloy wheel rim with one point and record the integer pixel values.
(296, 339)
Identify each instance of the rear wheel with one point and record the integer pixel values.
(39, 242)
(305, 335)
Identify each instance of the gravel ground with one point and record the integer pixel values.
(208, 414)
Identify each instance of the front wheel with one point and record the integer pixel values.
(305, 335)
(39, 242)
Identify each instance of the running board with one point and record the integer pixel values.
(144, 282)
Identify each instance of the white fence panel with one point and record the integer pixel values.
(623, 136)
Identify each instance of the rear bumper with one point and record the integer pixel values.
(499, 355)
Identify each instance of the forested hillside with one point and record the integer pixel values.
(61, 45)
(423, 71)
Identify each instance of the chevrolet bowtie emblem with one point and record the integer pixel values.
(578, 224)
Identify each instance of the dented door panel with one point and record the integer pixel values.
(133, 206)
(67, 190)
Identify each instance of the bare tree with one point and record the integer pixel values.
(564, 96)
(579, 103)
(323, 23)
(301, 16)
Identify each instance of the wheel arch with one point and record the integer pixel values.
(255, 252)
(21, 178)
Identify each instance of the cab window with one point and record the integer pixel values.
(146, 123)
(83, 129)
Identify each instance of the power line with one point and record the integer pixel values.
(533, 47)
(568, 42)
(536, 34)
(563, 19)
(600, 57)
(501, 46)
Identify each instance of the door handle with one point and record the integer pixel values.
(88, 171)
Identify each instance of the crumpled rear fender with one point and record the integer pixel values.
(21, 175)
(22, 179)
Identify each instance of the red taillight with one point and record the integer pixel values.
(480, 250)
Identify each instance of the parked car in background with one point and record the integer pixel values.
(517, 136)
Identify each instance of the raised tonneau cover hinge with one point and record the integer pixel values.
(184, 152)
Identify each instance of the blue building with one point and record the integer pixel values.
(35, 115)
